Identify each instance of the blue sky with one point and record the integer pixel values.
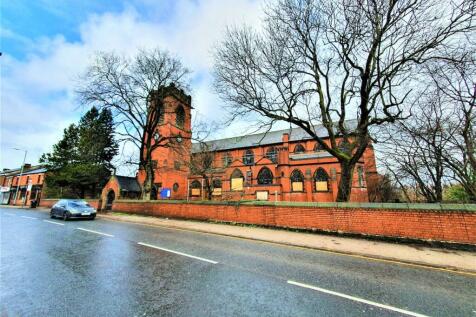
(46, 44)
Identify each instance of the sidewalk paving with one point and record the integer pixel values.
(419, 255)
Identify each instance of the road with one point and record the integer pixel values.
(106, 268)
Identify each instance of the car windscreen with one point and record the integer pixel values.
(78, 204)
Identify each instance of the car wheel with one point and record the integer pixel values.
(65, 216)
(51, 215)
(92, 217)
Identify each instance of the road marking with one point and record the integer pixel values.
(56, 223)
(176, 252)
(357, 299)
(96, 232)
(7, 213)
(28, 217)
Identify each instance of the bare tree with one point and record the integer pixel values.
(413, 151)
(323, 62)
(134, 90)
(456, 81)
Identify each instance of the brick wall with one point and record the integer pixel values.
(448, 226)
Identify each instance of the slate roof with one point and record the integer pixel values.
(31, 170)
(266, 138)
(127, 183)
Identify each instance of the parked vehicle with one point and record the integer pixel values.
(72, 208)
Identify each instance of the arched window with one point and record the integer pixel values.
(297, 181)
(195, 188)
(236, 180)
(227, 159)
(321, 180)
(248, 157)
(161, 114)
(179, 117)
(272, 154)
(318, 147)
(216, 185)
(265, 176)
(299, 149)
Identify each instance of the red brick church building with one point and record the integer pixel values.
(285, 165)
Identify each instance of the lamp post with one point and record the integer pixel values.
(21, 173)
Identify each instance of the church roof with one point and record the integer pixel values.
(127, 183)
(266, 138)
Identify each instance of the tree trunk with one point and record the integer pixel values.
(148, 182)
(345, 183)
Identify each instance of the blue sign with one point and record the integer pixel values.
(165, 193)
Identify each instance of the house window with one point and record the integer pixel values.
(195, 188)
(297, 181)
(39, 179)
(321, 180)
(227, 159)
(265, 176)
(299, 149)
(360, 174)
(248, 157)
(216, 184)
(236, 180)
(177, 165)
(179, 117)
(272, 154)
(175, 187)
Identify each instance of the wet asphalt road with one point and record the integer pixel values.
(55, 269)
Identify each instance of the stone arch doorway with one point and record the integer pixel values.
(111, 195)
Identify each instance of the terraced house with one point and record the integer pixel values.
(285, 165)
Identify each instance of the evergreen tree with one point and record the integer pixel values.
(80, 163)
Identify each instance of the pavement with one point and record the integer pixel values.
(105, 267)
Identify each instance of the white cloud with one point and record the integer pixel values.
(38, 91)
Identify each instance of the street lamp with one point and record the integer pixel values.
(21, 173)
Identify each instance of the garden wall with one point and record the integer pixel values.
(447, 223)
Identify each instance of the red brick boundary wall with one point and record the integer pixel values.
(48, 203)
(454, 223)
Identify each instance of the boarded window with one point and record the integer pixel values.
(195, 188)
(297, 181)
(297, 186)
(262, 195)
(237, 184)
(236, 180)
(321, 180)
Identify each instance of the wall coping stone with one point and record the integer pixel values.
(435, 207)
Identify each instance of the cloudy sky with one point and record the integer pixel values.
(46, 44)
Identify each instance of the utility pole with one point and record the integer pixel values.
(21, 173)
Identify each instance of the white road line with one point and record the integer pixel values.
(28, 217)
(176, 252)
(7, 213)
(56, 223)
(96, 232)
(357, 299)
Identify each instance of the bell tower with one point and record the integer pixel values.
(172, 160)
